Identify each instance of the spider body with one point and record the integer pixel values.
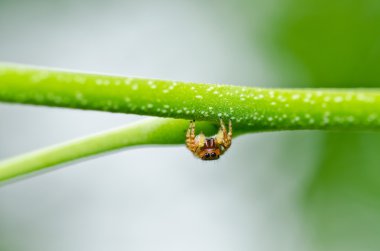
(209, 148)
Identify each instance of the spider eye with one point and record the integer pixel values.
(213, 155)
(207, 155)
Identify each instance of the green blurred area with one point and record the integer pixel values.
(336, 44)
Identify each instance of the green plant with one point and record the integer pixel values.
(250, 109)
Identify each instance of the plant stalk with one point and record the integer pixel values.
(250, 109)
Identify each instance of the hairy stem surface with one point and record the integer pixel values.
(251, 109)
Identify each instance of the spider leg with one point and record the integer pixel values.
(200, 140)
(190, 137)
(227, 136)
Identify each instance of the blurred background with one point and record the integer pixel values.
(302, 190)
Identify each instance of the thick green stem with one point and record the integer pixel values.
(251, 109)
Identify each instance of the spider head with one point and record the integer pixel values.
(210, 154)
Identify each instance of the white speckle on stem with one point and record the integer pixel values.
(296, 119)
(365, 98)
(128, 81)
(80, 79)
(295, 96)
(327, 99)
(151, 84)
(78, 95)
(338, 99)
(372, 117)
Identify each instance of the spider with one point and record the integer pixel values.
(209, 148)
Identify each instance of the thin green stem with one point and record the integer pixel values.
(156, 131)
(251, 109)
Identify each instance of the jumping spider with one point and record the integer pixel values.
(209, 148)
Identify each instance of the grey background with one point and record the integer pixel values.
(151, 198)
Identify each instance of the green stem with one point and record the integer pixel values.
(251, 109)
(150, 131)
